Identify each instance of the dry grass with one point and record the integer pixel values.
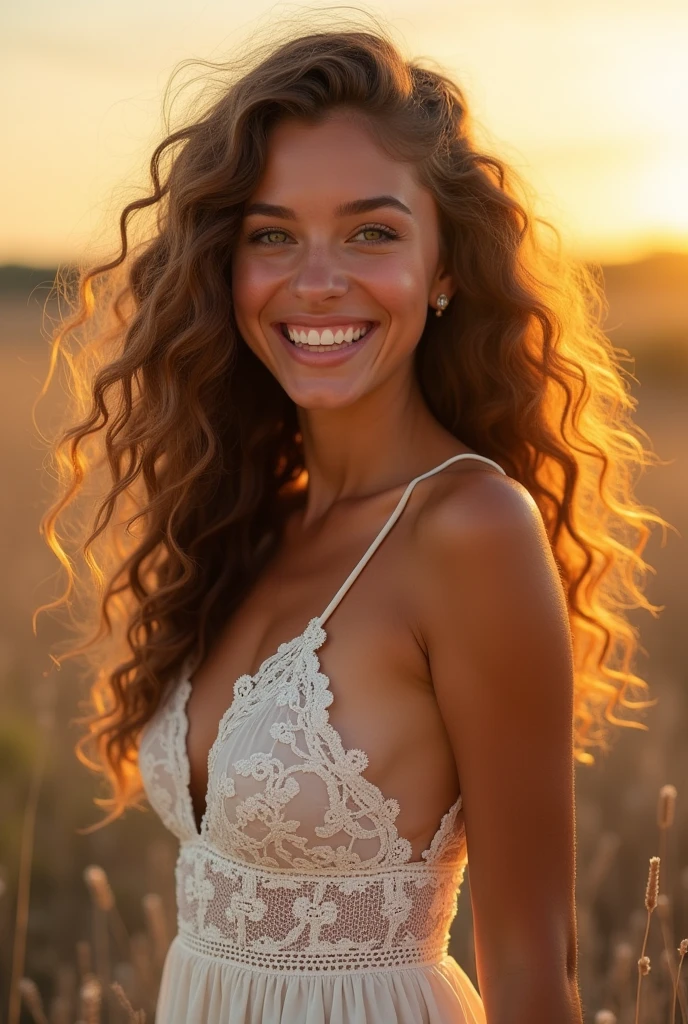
(108, 986)
(101, 983)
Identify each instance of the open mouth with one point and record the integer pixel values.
(328, 339)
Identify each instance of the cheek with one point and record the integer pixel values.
(398, 281)
(400, 287)
(252, 287)
(251, 281)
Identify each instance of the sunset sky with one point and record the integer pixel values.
(589, 100)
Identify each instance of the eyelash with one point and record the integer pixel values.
(366, 227)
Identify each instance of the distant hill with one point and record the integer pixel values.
(648, 299)
(19, 280)
(665, 269)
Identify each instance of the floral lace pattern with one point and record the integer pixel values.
(256, 884)
(283, 709)
(282, 921)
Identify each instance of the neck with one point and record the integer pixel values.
(386, 437)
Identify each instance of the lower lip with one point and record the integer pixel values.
(302, 355)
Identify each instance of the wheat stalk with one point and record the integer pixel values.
(651, 894)
(102, 901)
(682, 950)
(157, 925)
(99, 887)
(134, 1016)
(32, 998)
(666, 805)
(91, 995)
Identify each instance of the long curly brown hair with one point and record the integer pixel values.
(186, 449)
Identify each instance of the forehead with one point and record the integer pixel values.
(339, 158)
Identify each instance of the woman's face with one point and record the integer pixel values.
(338, 238)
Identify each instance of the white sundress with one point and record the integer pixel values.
(297, 901)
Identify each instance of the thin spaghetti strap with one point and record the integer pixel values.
(390, 523)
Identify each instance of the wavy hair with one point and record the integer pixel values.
(186, 449)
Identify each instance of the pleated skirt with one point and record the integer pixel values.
(200, 989)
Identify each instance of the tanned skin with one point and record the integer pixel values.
(450, 658)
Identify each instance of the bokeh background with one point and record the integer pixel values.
(589, 101)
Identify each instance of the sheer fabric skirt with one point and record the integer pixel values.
(199, 989)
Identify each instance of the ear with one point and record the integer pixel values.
(442, 283)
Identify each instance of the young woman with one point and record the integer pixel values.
(373, 457)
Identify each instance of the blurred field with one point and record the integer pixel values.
(617, 798)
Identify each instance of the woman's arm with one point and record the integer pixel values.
(495, 623)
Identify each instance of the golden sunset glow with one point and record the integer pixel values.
(588, 101)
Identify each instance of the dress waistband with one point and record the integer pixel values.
(284, 922)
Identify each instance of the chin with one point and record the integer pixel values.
(317, 395)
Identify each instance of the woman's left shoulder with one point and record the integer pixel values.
(481, 544)
(477, 508)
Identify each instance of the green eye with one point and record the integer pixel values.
(267, 236)
(386, 232)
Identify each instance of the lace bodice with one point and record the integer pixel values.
(298, 863)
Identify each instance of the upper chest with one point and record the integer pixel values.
(372, 656)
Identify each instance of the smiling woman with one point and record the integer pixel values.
(343, 331)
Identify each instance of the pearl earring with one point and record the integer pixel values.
(442, 303)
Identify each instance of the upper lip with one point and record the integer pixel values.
(309, 320)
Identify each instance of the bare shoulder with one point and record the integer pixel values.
(483, 526)
(493, 617)
(475, 503)
(489, 596)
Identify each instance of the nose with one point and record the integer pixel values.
(317, 276)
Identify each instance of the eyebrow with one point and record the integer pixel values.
(354, 206)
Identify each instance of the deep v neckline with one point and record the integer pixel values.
(314, 627)
(184, 693)
(320, 635)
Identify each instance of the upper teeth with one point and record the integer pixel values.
(325, 336)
